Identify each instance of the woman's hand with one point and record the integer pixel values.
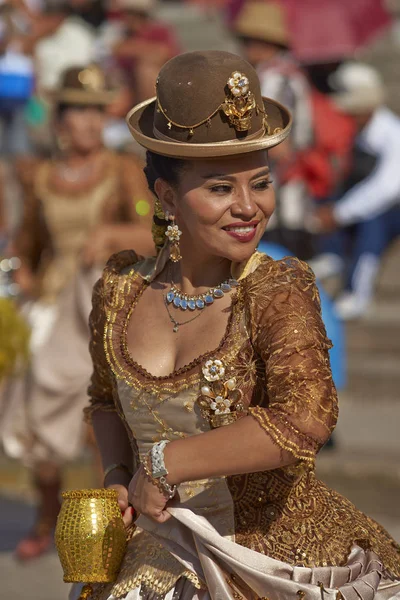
(126, 510)
(146, 498)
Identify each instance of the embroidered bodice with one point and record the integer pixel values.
(273, 364)
(57, 220)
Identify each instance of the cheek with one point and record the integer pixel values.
(267, 204)
(198, 209)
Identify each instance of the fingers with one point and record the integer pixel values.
(122, 495)
(127, 516)
(163, 517)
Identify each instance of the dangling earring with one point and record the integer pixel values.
(173, 233)
(63, 143)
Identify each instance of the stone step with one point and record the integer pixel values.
(371, 337)
(373, 388)
(368, 424)
(366, 365)
(384, 312)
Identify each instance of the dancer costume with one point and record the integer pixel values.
(278, 534)
(42, 413)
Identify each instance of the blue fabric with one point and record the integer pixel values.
(334, 326)
(367, 237)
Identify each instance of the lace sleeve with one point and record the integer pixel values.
(290, 337)
(101, 389)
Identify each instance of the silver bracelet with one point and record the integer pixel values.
(156, 453)
(159, 470)
(168, 490)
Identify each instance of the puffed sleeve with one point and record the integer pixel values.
(101, 387)
(290, 337)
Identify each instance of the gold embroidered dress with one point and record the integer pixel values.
(278, 534)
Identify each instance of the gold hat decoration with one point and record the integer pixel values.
(239, 108)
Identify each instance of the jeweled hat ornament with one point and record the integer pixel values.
(86, 85)
(208, 104)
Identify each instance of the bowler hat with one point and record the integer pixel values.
(86, 85)
(208, 104)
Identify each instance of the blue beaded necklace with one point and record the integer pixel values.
(192, 303)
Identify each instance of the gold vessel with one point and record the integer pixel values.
(90, 536)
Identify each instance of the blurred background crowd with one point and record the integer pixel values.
(72, 192)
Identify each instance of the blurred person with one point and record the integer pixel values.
(16, 78)
(263, 30)
(79, 208)
(365, 218)
(146, 45)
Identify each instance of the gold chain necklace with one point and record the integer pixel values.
(176, 323)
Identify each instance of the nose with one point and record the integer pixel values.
(244, 205)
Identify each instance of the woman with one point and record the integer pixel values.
(211, 376)
(78, 208)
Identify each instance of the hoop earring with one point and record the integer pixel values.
(173, 233)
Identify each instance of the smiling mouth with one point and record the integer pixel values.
(241, 229)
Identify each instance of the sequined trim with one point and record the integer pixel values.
(125, 296)
(265, 419)
(148, 564)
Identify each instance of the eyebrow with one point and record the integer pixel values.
(265, 171)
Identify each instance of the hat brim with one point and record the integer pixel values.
(140, 123)
(85, 98)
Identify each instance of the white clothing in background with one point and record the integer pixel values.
(380, 191)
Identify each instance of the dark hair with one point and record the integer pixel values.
(162, 167)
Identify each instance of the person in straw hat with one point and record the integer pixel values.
(211, 391)
(263, 30)
(366, 214)
(78, 208)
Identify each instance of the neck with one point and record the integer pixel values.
(194, 274)
(74, 158)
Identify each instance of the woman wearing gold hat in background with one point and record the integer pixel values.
(212, 392)
(78, 208)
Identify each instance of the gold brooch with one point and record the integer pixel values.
(220, 401)
(92, 79)
(241, 103)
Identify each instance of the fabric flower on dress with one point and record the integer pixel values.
(221, 406)
(220, 401)
(213, 370)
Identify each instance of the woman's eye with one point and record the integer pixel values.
(221, 189)
(262, 185)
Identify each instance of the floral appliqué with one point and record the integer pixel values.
(220, 401)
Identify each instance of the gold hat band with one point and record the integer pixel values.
(165, 138)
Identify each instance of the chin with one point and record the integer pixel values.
(242, 253)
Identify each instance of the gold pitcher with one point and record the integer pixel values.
(90, 536)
